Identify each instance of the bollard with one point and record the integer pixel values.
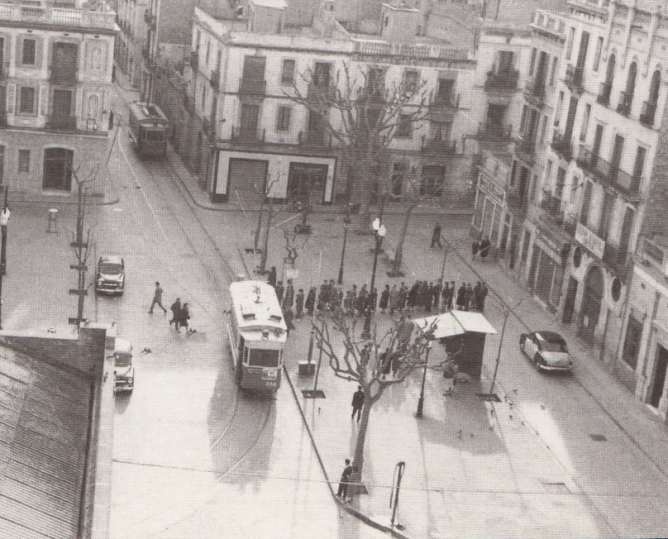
(53, 221)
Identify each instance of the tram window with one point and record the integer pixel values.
(154, 136)
(263, 358)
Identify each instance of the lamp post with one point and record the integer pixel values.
(4, 221)
(343, 254)
(379, 233)
(424, 379)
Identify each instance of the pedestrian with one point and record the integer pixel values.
(299, 303)
(444, 296)
(436, 237)
(394, 299)
(157, 299)
(289, 296)
(176, 313)
(310, 301)
(403, 294)
(279, 291)
(183, 319)
(411, 301)
(358, 403)
(322, 296)
(449, 371)
(475, 302)
(372, 300)
(451, 295)
(485, 247)
(361, 300)
(483, 295)
(111, 120)
(345, 481)
(288, 316)
(384, 298)
(461, 297)
(475, 247)
(271, 278)
(468, 297)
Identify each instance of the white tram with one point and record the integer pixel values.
(257, 335)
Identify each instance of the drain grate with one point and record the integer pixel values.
(556, 488)
(598, 437)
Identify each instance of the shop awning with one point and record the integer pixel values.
(455, 323)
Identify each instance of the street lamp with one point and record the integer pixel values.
(424, 379)
(379, 234)
(343, 254)
(4, 221)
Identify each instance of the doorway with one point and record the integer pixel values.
(569, 302)
(306, 183)
(57, 169)
(591, 303)
(659, 375)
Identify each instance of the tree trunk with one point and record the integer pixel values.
(265, 247)
(256, 237)
(358, 458)
(399, 253)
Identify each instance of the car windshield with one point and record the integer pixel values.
(154, 136)
(263, 358)
(553, 346)
(110, 268)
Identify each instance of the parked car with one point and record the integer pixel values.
(547, 350)
(110, 275)
(124, 371)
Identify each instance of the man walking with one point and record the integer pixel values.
(436, 237)
(176, 313)
(358, 403)
(299, 303)
(157, 299)
(345, 481)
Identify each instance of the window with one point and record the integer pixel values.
(375, 81)
(27, 100)
(288, 72)
(2, 165)
(57, 169)
(543, 130)
(445, 91)
(561, 181)
(24, 161)
(569, 45)
(597, 56)
(208, 52)
(283, 118)
(555, 60)
(198, 39)
(632, 342)
(398, 171)
(322, 74)
(29, 49)
(586, 204)
(410, 80)
(548, 172)
(219, 60)
(258, 357)
(254, 68)
(505, 61)
(533, 60)
(404, 126)
(557, 112)
(585, 123)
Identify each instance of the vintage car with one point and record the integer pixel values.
(124, 371)
(547, 350)
(110, 275)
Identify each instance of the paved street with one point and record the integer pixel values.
(195, 458)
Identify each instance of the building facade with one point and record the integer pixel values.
(55, 94)
(132, 16)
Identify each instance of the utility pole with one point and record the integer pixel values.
(81, 251)
(4, 221)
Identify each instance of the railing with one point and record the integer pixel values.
(516, 202)
(62, 123)
(59, 16)
(502, 80)
(375, 93)
(626, 184)
(411, 50)
(494, 130)
(647, 113)
(314, 138)
(574, 76)
(603, 96)
(257, 87)
(561, 144)
(63, 74)
(215, 79)
(624, 105)
(555, 218)
(246, 135)
(320, 92)
(526, 145)
(535, 88)
(448, 100)
(616, 258)
(433, 145)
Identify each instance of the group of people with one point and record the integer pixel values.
(180, 312)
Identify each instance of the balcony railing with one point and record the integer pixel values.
(574, 77)
(625, 184)
(59, 122)
(314, 138)
(505, 81)
(256, 87)
(320, 92)
(246, 135)
(493, 130)
(102, 18)
(561, 144)
(616, 258)
(215, 79)
(603, 96)
(534, 89)
(440, 146)
(446, 100)
(555, 218)
(63, 74)
(647, 113)
(526, 145)
(518, 204)
(624, 105)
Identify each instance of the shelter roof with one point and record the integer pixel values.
(455, 323)
(44, 417)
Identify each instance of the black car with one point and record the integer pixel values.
(110, 275)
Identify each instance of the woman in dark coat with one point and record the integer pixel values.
(372, 300)
(468, 298)
(184, 317)
(461, 297)
(412, 296)
(271, 278)
(361, 299)
(384, 298)
(310, 301)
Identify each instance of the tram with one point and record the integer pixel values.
(257, 334)
(148, 128)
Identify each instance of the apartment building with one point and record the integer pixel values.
(55, 93)
(253, 135)
(133, 17)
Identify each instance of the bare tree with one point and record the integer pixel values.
(375, 364)
(363, 115)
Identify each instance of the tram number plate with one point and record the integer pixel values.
(269, 374)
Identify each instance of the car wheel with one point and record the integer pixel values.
(536, 362)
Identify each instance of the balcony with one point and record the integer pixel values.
(617, 259)
(526, 147)
(247, 136)
(625, 184)
(449, 101)
(315, 138)
(574, 78)
(647, 113)
(253, 87)
(63, 74)
(57, 16)
(438, 146)
(534, 91)
(58, 122)
(562, 145)
(320, 92)
(518, 204)
(624, 105)
(502, 81)
(215, 79)
(494, 131)
(555, 219)
(603, 96)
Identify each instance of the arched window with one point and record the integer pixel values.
(626, 97)
(649, 106)
(606, 87)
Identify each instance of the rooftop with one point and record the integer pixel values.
(101, 18)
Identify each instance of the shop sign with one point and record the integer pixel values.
(589, 240)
